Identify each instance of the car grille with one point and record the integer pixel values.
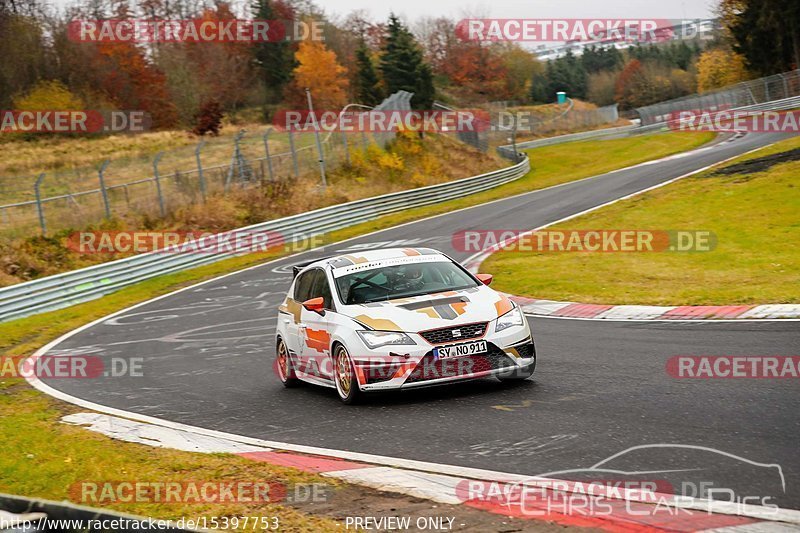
(443, 335)
(430, 368)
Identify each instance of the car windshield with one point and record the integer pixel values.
(402, 281)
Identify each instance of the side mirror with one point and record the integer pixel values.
(315, 304)
(486, 279)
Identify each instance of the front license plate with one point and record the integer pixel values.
(459, 350)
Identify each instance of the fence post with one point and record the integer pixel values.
(316, 136)
(200, 170)
(234, 160)
(346, 148)
(266, 152)
(514, 141)
(294, 153)
(103, 190)
(39, 206)
(785, 86)
(245, 172)
(158, 184)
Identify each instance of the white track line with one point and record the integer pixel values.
(474, 261)
(466, 472)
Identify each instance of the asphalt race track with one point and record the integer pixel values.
(599, 389)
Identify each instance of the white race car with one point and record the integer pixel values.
(395, 319)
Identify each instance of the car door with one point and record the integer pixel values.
(316, 349)
(293, 318)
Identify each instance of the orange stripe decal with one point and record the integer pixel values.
(503, 306)
(381, 324)
(318, 339)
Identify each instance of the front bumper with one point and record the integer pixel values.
(423, 369)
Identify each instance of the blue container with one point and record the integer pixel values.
(562, 97)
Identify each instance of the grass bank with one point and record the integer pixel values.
(750, 205)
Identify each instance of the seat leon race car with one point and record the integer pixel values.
(395, 319)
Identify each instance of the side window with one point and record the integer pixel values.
(322, 288)
(302, 287)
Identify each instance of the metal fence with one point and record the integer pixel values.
(159, 184)
(62, 290)
(503, 128)
(748, 93)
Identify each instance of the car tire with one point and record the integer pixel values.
(284, 367)
(344, 376)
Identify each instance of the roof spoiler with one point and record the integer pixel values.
(296, 269)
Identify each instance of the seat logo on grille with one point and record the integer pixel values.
(456, 333)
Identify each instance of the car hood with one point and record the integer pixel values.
(431, 311)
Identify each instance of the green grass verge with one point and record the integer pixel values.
(756, 261)
(32, 465)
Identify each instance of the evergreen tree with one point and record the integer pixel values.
(274, 59)
(425, 92)
(766, 33)
(595, 59)
(682, 55)
(368, 87)
(538, 92)
(566, 74)
(403, 67)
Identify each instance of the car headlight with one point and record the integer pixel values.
(376, 339)
(509, 320)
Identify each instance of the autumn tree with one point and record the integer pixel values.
(640, 84)
(474, 67)
(628, 82)
(24, 57)
(318, 70)
(223, 69)
(47, 96)
(718, 68)
(519, 65)
(127, 79)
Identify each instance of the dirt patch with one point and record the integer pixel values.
(354, 501)
(760, 164)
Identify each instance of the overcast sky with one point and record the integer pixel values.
(413, 9)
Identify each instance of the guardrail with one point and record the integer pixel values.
(63, 290)
(775, 105)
